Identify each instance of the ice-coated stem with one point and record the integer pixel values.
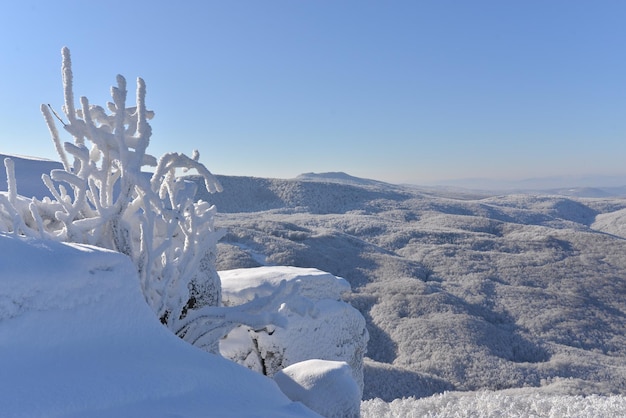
(68, 80)
(144, 131)
(9, 166)
(55, 136)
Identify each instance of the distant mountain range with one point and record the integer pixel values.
(29, 170)
(582, 186)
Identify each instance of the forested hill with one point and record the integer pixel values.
(253, 194)
(461, 291)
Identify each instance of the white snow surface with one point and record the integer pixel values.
(242, 285)
(326, 387)
(78, 339)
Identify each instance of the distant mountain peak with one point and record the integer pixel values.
(337, 177)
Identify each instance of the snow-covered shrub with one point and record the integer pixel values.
(102, 197)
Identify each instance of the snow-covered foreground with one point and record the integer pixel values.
(77, 339)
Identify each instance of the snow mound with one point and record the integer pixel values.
(316, 322)
(78, 339)
(326, 387)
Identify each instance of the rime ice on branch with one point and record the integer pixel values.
(102, 197)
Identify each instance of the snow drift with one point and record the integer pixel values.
(78, 339)
(324, 386)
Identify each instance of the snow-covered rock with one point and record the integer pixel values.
(77, 339)
(318, 324)
(327, 387)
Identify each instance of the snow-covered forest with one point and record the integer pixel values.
(461, 291)
(417, 301)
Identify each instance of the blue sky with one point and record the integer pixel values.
(401, 91)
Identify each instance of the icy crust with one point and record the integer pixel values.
(317, 323)
(78, 339)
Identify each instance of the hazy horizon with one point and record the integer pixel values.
(611, 184)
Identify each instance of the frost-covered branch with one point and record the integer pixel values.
(103, 197)
(11, 183)
(205, 327)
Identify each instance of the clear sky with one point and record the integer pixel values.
(400, 91)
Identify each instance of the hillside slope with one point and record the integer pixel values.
(460, 292)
